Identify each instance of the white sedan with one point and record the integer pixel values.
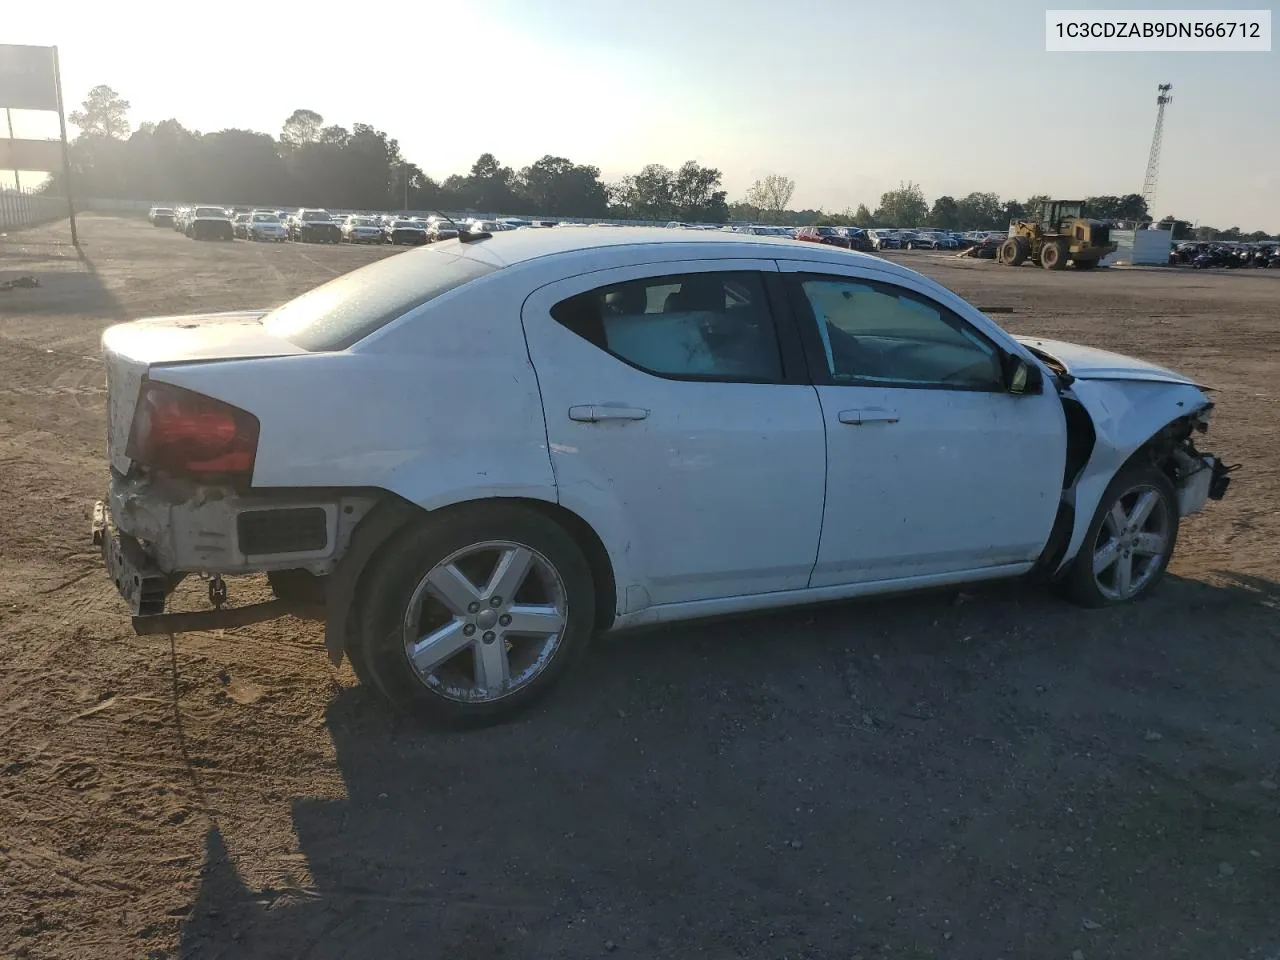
(468, 458)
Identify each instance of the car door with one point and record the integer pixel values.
(933, 466)
(682, 426)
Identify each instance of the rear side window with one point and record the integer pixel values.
(696, 326)
(347, 309)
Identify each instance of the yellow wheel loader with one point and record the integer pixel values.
(1062, 233)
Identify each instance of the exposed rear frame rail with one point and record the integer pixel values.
(150, 624)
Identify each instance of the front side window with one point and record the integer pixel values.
(878, 334)
(696, 326)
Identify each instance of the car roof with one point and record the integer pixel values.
(511, 247)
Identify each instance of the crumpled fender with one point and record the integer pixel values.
(1126, 414)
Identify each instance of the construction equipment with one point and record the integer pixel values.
(1060, 233)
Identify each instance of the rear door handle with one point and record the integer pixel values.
(595, 412)
(868, 415)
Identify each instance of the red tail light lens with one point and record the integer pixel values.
(187, 434)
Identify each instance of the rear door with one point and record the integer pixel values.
(933, 467)
(681, 425)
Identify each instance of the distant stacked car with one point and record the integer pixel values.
(931, 240)
(161, 216)
(356, 229)
(265, 225)
(209, 223)
(439, 228)
(314, 226)
(408, 232)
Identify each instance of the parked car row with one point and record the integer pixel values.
(858, 238)
(1220, 254)
(316, 225)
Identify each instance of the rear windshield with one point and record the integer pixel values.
(211, 212)
(349, 308)
(315, 215)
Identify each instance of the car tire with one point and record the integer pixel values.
(464, 538)
(1128, 540)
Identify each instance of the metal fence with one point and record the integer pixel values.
(25, 208)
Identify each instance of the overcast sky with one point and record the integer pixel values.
(847, 96)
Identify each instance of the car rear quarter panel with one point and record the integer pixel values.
(446, 409)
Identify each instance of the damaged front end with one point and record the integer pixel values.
(1114, 420)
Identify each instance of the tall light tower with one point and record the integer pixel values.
(1163, 98)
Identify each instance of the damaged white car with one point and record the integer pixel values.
(468, 458)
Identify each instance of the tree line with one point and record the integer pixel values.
(311, 163)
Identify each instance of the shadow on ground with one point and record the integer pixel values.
(947, 776)
(68, 277)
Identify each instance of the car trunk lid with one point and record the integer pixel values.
(133, 350)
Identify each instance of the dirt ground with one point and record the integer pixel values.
(990, 775)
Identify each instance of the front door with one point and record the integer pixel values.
(933, 467)
(681, 428)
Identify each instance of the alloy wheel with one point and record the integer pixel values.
(485, 621)
(1132, 542)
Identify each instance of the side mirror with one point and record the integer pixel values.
(1021, 377)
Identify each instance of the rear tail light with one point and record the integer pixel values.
(187, 434)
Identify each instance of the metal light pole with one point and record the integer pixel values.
(17, 179)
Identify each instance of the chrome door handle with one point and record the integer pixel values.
(868, 415)
(595, 412)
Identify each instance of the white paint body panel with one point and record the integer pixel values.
(962, 480)
(716, 493)
(711, 505)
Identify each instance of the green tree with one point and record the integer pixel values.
(560, 187)
(102, 114)
(1129, 207)
(1182, 229)
(1204, 234)
(945, 214)
(904, 207)
(981, 211)
(647, 195)
(302, 127)
(863, 217)
(770, 195)
(695, 195)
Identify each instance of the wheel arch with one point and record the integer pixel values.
(1131, 421)
(393, 513)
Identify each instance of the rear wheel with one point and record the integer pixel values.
(471, 616)
(1053, 255)
(1130, 541)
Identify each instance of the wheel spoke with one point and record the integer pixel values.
(451, 587)
(493, 671)
(513, 566)
(1116, 519)
(1142, 509)
(438, 646)
(1105, 556)
(535, 619)
(1149, 544)
(1124, 575)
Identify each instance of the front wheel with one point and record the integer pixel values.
(472, 616)
(1130, 541)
